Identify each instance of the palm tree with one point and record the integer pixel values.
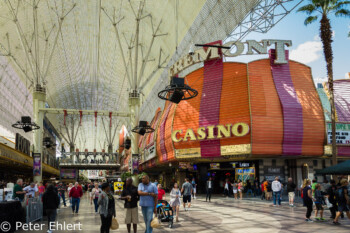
(323, 9)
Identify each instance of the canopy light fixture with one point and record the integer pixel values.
(143, 128)
(26, 124)
(177, 91)
(127, 143)
(47, 142)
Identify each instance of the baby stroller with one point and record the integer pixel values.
(165, 212)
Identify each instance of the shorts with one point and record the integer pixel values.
(194, 190)
(187, 198)
(235, 191)
(268, 194)
(342, 207)
(319, 206)
(291, 195)
(132, 216)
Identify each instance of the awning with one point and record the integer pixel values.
(339, 169)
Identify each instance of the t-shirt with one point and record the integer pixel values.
(147, 188)
(313, 186)
(193, 184)
(161, 193)
(305, 195)
(131, 191)
(41, 189)
(31, 191)
(341, 199)
(290, 187)
(187, 187)
(17, 188)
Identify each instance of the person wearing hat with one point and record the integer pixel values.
(106, 205)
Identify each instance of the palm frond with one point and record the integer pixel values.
(342, 13)
(340, 4)
(309, 9)
(310, 19)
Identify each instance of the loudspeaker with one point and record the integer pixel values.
(142, 124)
(127, 144)
(26, 119)
(178, 82)
(142, 131)
(176, 96)
(27, 129)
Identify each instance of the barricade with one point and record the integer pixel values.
(34, 209)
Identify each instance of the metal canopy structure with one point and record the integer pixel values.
(95, 55)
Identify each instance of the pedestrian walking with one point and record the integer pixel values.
(194, 187)
(70, 186)
(227, 188)
(61, 191)
(256, 187)
(95, 193)
(106, 205)
(235, 189)
(342, 198)
(51, 202)
(268, 194)
(319, 200)
(240, 189)
(148, 201)
(175, 202)
(209, 188)
(161, 192)
(263, 190)
(307, 198)
(76, 193)
(131, 197)
(291, 191)
(276, 189)
(332, 198)
(187, 193)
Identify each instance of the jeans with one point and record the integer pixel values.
(277, 195)
(208, 194)
(147, 212)
(96, 205)
(51, 216)
(63, 197)
(75, 204)
(105, 223)
(250, 191)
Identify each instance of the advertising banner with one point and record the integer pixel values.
(36, 164)
(215, 166)
(150, 152)
(342, 133)
(92, 174)
(135, 163)
(67, 173)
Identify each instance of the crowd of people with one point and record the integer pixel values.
(149, 194)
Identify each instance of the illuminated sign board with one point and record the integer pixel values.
(342, 133)
(236, 49)
(203, 133)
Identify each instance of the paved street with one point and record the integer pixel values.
(221, 215)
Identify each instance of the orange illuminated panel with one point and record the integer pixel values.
(234, 102)
(266, 112)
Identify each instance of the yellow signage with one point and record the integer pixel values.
(224, 131)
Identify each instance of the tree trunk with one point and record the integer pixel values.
(326, 38)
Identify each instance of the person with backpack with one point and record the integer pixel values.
(307, 198)
(332, 199)
(95, 193)
(342, 199)
(319, 200)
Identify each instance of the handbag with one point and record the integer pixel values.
(115, 224)
(155, 223)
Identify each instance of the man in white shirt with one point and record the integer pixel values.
(31, 190)
(276, 187)
(209, 189)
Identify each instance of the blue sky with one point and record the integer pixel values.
(307, 47)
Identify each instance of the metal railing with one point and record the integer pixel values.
(34, 209)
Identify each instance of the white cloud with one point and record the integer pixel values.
(307, 52)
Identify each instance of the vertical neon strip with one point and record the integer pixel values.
(209, 113)
(162, 132)
(291, 107)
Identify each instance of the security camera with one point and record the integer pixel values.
(191, 51)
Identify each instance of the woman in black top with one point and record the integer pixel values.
(51, 202)
(307, 198)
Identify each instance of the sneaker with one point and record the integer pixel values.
(336, 223)
(274, 205)
(309, 220)
(322, 219)
(317, 219)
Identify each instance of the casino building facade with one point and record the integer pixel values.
(259, 119)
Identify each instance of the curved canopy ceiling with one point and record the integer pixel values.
(90, 54)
